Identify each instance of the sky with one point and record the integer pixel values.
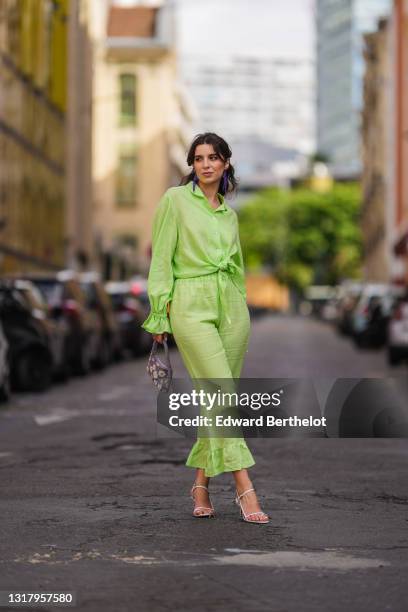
(262, 28)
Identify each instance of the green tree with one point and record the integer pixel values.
(303, 236)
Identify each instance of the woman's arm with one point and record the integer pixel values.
(161, 279)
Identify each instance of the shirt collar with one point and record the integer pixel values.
(198, 193)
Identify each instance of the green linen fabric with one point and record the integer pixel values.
(213, 352)
(190, 238)
(197, 265)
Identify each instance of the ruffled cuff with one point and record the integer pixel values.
(157, 323)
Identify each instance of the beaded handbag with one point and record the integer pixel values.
(160, 371)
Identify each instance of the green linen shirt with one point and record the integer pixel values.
(190, 238)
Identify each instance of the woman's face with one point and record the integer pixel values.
(208, 165)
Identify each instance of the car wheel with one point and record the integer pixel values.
(5, 389)
(63, 372)
(82, 365)
(393, 356)
(119, 352)
(136, 344)
(360, 341)
(104, 354)
(34, 371)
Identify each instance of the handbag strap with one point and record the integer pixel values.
(166, 351)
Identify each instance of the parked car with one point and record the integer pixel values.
(67, 303)
(348, 296)
(397, 336)
(321, 299)
(369, 312)
(138, 288)
(329, 311)
(4, 367)
(30, 356)
(99, 302)
(56, 331)
(378, 314)
(130, 312)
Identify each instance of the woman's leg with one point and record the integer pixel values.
(235, 340)
(201, 496)
(195, 317)
(201, 478)
(249, 501)
(204, 357)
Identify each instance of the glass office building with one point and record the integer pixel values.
(341, 25)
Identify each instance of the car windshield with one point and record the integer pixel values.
(74, 291)
(36, 297)
(90, 294)
(51, 290)
(117, 300)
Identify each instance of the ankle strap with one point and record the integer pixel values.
(196, 486)
(244, 493)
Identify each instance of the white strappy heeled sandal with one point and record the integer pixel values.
(246, 517)
(209, 512)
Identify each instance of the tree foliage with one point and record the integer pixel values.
(304, 236)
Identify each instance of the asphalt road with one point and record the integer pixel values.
(93, 501)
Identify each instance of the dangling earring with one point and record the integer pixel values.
(225, 182)
(195, 181)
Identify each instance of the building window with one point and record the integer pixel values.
(126, 177)
(127, 99)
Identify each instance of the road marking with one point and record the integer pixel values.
(302, 560)
(64, 414)
(56, 416)
(115, 393)
(325, 560)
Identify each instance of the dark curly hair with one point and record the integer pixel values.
(222, 148)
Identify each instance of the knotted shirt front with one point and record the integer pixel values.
(190, 238)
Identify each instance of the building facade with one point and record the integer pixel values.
(45, 143)
(340, 26)
(399, 159)
(141, 131)
(385, 150)
(79, 245)
(375, 135)
(33, 102)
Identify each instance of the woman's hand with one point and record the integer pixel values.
(160, 337)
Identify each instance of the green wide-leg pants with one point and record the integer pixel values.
(212, 347)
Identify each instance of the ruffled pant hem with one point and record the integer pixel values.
(233, 455)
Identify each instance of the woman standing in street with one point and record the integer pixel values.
(197, 292)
